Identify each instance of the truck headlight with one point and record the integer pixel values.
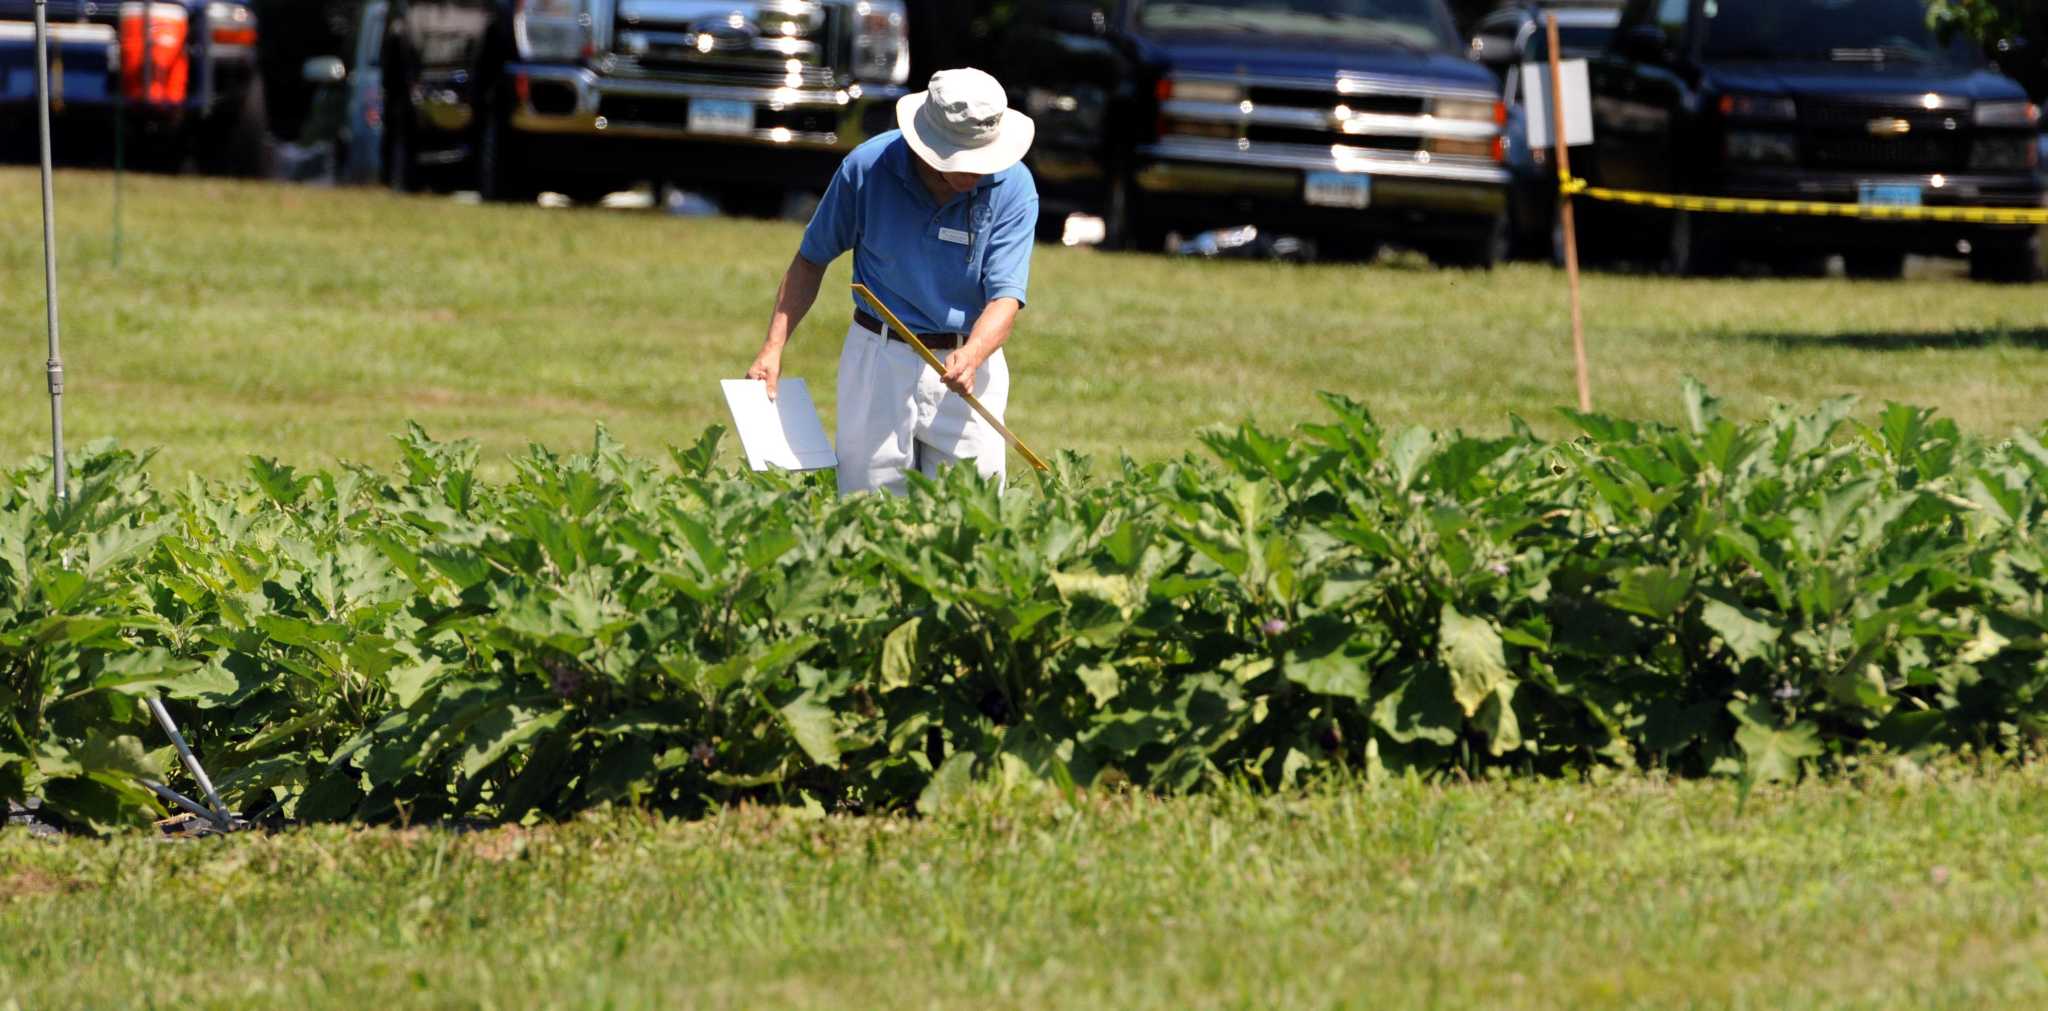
(1762, 147)
(2022, 115)
(881, 42)
(2003, 154)
(552, 29)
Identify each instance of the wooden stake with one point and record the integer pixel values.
(1571, 231)
(910, 337)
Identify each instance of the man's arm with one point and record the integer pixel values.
(990, 331)
(792, 300)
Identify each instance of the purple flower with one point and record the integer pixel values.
(1274, 626)
(1785, 692)
(564, 677)
(703, 753)
(1498, 568)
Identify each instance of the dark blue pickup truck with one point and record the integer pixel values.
(1355, 122)
(180, 76)
(1842, 101)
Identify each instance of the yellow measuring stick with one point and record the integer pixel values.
(910, 336)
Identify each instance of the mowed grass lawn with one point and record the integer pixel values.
(310, 324)
(1915, 892)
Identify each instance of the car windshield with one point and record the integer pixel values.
(1415, 24)
(1836, 31)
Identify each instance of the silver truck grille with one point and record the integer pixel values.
(770, 43)
(1355, 113)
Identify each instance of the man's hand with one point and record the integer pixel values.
(959, 374)
(767, 367)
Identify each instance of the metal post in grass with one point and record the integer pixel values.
(56, 363)
(215, 811)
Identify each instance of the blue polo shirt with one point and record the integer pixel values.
(935, 267)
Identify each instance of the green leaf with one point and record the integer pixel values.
(498, 732)
(121, 754)
(1650, 591)
(814, 728)
(949, 784)
(1420, 708)
(902, 656)
(1771, 753)
(462, 566)
(1102, 682)
(1472, 650)
(1334, 673)
(1750, 635)
(1496, 719)
(410, 681)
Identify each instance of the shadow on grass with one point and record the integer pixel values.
(2032, 338)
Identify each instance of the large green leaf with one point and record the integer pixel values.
(1750, 635)
(1773, 753)
(814, 728)
(1471, 650)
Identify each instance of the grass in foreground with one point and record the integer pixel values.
(1921, 891)
(309, 324)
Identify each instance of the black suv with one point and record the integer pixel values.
(1828, 100)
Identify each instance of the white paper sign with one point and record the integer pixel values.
(1578, 103)
(779, 434)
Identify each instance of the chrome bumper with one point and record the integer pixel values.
(1228, 154)
(586, 114)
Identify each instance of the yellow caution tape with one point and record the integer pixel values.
(1811, 208)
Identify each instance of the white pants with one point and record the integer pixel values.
(896, 416)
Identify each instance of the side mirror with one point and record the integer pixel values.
(1493, 50)
(1076, 18)
(325, 70)
(1646, 44)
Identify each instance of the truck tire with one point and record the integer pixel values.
(502, 172)
(1126, 227)
(236, 141)
(1480, 252)
(1876, 265)
(401, 166)
(745, 201)
(2006, 259)
(1687, 253)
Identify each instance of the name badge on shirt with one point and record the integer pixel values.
(954, 236)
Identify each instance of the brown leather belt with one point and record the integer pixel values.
(934, 341)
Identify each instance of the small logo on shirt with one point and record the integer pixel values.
(954, 236)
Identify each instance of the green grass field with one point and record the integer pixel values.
(1920, 892)
(310, 324)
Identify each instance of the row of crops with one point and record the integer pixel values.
(1760, 600)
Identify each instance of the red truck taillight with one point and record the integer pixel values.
(155, 69)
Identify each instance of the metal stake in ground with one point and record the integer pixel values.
(932, 360)
(1571, 229)
(56, 364)
(219, 813)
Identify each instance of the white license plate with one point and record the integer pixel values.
(1338, 189)
(717, 115)
(1888, 195)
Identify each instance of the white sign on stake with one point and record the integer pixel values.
(1578, 103)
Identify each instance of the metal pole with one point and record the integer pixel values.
(220, 813)
(56, 364)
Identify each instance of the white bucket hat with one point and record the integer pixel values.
(963, 123)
